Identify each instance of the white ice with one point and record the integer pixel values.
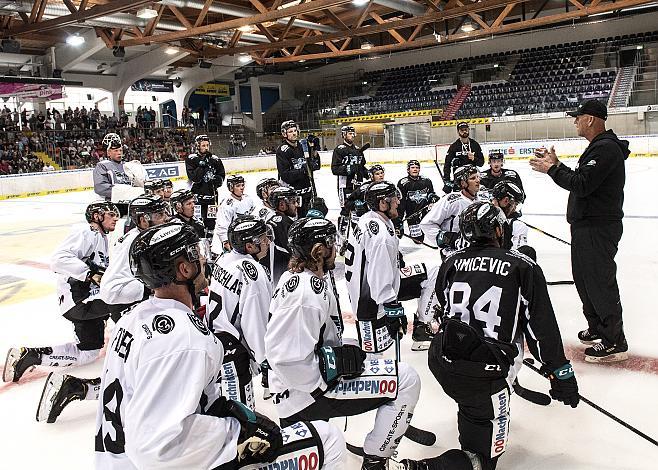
(549, 437)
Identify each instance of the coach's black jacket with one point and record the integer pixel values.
(596, 186)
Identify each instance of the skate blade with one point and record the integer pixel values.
(52, 385)
(617, 357)
(420, 345)
(8, 372)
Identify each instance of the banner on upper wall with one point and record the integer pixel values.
(213, 89)
(154, 86)
(164, 171)
(31, 92)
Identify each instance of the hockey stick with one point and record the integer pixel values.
(436, 163)
(559, 283)
(422, 243)
(530, 364)
(532, 396)
(419, 436)
(547, 234)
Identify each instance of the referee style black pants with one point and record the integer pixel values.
(593, 250)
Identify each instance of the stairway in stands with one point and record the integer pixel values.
(456, 103)
(43, 156)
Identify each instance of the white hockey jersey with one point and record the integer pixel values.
(300, 321)
(118, 285)
(240, 292)
(228, 209)
(444, 216)
(371, 265)
(263, 212)
(519, 233)
(84, 244)
(161, 369)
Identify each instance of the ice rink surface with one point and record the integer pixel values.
(551, 437)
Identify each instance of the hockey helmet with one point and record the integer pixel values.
(178, 198)
(288, 125)
(154, 252)
(146, 205)
(101, 208)
(112, 141)
(463, 173)
(247, 229)
(151, 186)
(508, 189)
(283, 193)
(496, 156)
(232, 180)
(411, 163)
(345, 129)
(382, 191)
(478, 222)
(375, 168)
(265, 184)
(306, 232)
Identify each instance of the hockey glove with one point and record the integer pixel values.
(319, 204)
(396, 320)
(448, 187)
(446, 239)
(564, 387)
(259, 439)
(95, 273)
(432, 198)
(340, 361)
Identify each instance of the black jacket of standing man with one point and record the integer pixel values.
(594, 210)
(463, 151)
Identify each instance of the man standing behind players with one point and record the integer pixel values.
(292, 164)
(463, 151)
(109, 172)
(206, 172)
(496, 173)
(349, 164)
(492, 300)
(417, 194)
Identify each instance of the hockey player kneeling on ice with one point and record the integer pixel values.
(237, 203)
(119, 288)
(441, 224)
(478, 351)
(507, 196)
(263, 190)
(182, 203)
(375, 282)
(80, 263)
(320, 377)
(163, 346)
(240, 294)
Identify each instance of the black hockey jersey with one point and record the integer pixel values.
(502, 294)
(206, 171)
(355, 202)
(416, 195)
(277, 259)
(291, 165)
(349, 164)
(488, 180)
(458, 156)
(195, 223)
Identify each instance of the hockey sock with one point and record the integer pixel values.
(93, 388)
(68, 354)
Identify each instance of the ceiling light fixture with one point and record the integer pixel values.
(246, 28)
(75, 40)
(244, 58)
(147, 13)
(171, 51)
(468, 27)
(359, 3)
(366, 45)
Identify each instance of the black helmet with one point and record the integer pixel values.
(167, 183)
(279, 194)
(154, 251)
(304, 233)
(509, 189)
(247, 229)
(463, 173)
(478, 222)
(100, 207)
(462, 124)
(179, 197)
(382, 191)
(145, 205)
(265, 184)
(345, 129)
(201, 138)
(496, 156)
(151, 186)
(112, 141)
(288, 125)
(232, 180)
(375, 168)
(411, 163)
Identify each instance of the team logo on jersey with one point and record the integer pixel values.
(276, 219)
(198, 323)
(292, 283)
(163, 324)
(317, 284)
(250, 270)
(373, 227)
(262, 213)
(391, 232)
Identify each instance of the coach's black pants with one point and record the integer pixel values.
(593, 250)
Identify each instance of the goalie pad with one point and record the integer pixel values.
(136, 172)
(302, 449)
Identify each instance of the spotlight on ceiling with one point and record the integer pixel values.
(75, 40)
(147, 13)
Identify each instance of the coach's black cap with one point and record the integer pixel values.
(462, 124)
(592, 108)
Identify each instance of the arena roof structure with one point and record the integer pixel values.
(281, 34)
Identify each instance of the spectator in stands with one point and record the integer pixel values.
(594, 211)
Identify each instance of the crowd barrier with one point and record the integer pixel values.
(38, 184)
